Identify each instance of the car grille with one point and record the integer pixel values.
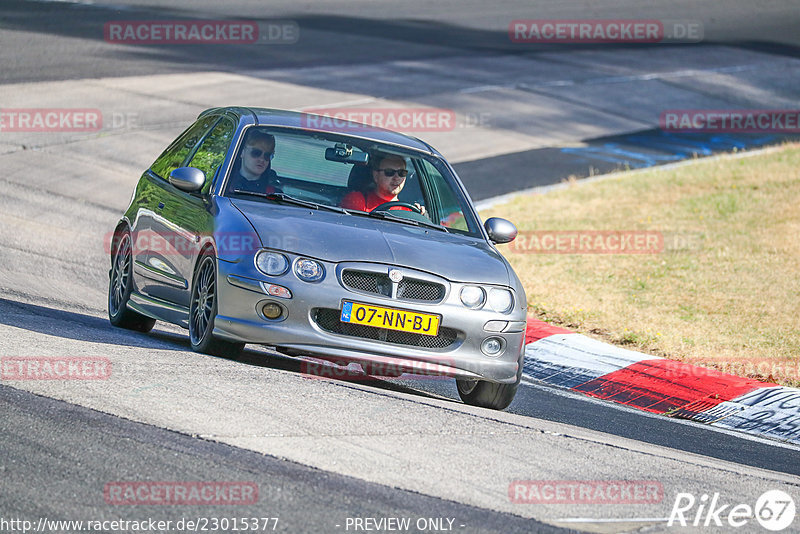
(419, 290)
(367, 282)
(328, 320)
(378, 283)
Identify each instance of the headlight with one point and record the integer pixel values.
(501, 300)
(472, 296)
(271, 263)
(308, 270)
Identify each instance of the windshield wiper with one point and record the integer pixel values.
(431, 224)
(283, 197)
(388, 216)
(245, 192)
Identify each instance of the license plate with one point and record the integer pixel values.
(379, 317)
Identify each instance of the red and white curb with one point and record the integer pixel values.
(565, 359)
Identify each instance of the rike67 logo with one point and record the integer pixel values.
(774, 510)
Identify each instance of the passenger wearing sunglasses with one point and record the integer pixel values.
(253, 171)
(388, 178)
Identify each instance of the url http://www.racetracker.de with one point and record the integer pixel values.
(195, 524)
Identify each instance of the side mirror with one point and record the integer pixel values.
(500, 230)
(187, 179)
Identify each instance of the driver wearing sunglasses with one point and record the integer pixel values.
(253, 170)
(388, 178)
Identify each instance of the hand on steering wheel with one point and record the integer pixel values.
(386, 206)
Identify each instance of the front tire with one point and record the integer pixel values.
(203, 311)
(490, 394)
(486, 394)
(120, 285)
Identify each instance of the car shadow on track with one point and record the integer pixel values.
(316, 369)
(79, 326)
(84, 327)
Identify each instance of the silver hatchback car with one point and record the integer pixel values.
(348, 243)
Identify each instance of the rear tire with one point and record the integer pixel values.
(203, 311)
(120, 285)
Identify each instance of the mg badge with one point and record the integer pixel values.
(395, 275)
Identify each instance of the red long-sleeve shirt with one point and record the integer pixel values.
(356, 200)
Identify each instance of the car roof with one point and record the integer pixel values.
(294, 119)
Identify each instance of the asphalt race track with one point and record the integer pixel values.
(325, 452)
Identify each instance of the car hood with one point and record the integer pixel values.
(338, 238)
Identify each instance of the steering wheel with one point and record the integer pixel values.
(386, 206)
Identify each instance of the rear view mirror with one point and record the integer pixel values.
(344, 154)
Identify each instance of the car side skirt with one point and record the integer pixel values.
(159, 309)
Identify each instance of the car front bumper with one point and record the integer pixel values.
(309, 325)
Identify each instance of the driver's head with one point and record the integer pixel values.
(389, 174)
(259, 148)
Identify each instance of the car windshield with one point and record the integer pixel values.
(309, 168)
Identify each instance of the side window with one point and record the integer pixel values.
(174, 156)
(448, 208)
(211, 153)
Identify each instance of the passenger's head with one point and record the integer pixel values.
(389, 175)
(259, 148)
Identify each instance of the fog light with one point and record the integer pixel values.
(273, 311)
(492, 346)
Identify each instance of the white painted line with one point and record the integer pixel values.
(609, 520)
(84, 2)
(484, 88)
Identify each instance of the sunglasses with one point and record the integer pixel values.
(257, 153)
(402, 173)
